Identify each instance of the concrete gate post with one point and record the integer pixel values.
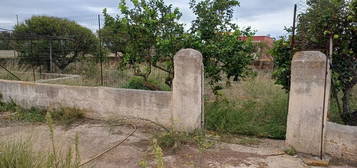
(308, 103)
(187, 90)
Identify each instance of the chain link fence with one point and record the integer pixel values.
(68, 58)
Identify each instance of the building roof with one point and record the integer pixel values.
(266, 39)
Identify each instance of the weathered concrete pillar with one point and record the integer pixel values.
(308, 103)
(187, 90)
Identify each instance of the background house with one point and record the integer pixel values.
(263, 60)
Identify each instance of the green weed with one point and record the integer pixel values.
(8, 107)
(30, 115)
(290, 151)
(20, 154)
(143, 163)
(67, 115)
(62, 115)
(256, 107)
(173, 140)
(158, 154)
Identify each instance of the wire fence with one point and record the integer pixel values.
(66, 58)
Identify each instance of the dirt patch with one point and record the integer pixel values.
(212, 157)
(95, 137)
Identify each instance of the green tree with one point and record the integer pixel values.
(325, 20)
(114, 33)
(148, 34)
(226, 53)
(5, 42)
(69, 41)
(155, 35)
(282, 54)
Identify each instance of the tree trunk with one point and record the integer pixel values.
(346, 113)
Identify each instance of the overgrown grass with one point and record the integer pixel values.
(254, 107)
(257, 107)
(62, 115)
(20, 154)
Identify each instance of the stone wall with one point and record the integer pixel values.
(181, 108)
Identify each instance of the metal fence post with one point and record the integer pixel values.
(100, 52)
(51, 59)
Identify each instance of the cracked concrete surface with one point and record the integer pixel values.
(95, 137)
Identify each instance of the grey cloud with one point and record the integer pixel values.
(251, 8)
(85, 11)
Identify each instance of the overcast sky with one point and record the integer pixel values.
(265, 16)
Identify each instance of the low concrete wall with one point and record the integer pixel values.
(100, 102)
(341, 141)
(181, 109)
